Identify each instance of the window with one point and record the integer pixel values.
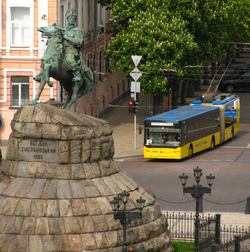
(87, 59)
(19, 90)
(108, 63)
(20, 26)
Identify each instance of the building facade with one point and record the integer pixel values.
(21, 49)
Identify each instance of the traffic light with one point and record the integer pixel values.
(133, 106)
(130, 106)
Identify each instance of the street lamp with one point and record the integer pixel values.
(197, 192)
(125, 216)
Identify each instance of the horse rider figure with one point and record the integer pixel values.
(73, 47)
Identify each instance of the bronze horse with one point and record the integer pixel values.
(53, 65)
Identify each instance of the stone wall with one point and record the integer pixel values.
(57, 183)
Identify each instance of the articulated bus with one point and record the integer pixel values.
(184, 131)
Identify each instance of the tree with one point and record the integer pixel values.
(213, 23)
(160, 37)
(172, 34)
(104, 2)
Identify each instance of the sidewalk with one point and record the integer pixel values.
(126, 143)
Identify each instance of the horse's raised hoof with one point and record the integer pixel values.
(33, 102)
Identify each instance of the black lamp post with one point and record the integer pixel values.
(197, 192)
(125, 216)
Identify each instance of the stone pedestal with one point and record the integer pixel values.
(57, 183)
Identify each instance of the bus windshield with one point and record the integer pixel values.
(162, 136)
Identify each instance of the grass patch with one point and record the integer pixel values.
(183, 246)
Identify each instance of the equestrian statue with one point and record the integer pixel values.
(64, 61)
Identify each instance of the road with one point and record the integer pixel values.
(229, 162)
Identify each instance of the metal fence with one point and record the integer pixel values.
(212, 237)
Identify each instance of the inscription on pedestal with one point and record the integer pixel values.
(38, 150)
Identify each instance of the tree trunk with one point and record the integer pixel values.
(175, 97)
(197, 85)
(190, 89)
(206, 80)
(213, 68)
(158, 104)
(184, 92)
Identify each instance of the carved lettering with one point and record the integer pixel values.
(38, 143)
(38, 150)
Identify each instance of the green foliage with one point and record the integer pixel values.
(160, 37)
(104, 2)
(171, 34)
(214, 22)
(183, 246)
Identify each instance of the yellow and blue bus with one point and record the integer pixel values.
(184, 131)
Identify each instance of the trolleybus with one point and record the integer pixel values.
(184, 131)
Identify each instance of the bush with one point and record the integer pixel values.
(183, 246)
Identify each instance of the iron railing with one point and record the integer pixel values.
(212, 237)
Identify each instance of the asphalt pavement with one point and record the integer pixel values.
(123, 126)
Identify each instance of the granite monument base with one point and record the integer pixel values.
(57, 182)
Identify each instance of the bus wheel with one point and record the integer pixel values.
(212, 143)
(232, 134)
(190, 151)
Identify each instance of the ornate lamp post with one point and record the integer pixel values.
(124, 215)
(197, 192)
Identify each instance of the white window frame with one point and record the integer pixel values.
(17, 3)
(9, 72)
(19, 84)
